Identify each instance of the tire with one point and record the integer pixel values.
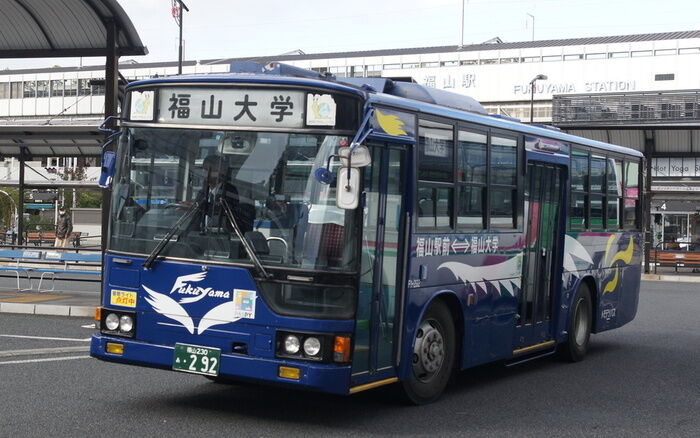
(433, 356)
(579, 329)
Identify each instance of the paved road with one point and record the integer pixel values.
(640, 380)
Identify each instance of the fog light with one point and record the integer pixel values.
(126, 324)
(290, 373)
(291, 344)
(312, 346)
(114, 348)
(112, 321)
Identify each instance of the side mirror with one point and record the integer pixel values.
(348, 188)
(109, 161)
(361, 156)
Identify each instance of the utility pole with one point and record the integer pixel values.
(177, 15)
(533, 25)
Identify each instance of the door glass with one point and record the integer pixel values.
(390, 260)
(369, 246)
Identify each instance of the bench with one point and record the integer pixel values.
(675, 258)
(43, 237)
(71, 264)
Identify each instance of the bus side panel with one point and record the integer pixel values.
(613, 260)
(486, 283)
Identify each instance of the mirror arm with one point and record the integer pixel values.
(362, 132)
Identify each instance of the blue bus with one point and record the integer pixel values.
(280, 226)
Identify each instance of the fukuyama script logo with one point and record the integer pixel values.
(241, 304)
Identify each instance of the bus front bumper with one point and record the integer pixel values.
(313, 376)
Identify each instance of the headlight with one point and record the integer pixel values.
(112, 321)
(126, 324)
(291, 344)
(312, 346)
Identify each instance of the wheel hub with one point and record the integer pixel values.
(429, 351)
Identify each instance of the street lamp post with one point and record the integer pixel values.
(532, 94)
(177, 13)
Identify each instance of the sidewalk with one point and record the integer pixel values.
(71, 298)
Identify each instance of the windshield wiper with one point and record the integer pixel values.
(246, 245)
(164, 241)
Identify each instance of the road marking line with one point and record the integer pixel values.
(89, 326)
(52, 359)
(46, 338)
(36, 351)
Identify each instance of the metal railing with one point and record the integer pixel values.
(626, 108)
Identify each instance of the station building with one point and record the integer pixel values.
(639, 91)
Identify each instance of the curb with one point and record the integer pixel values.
(672, 278)
(48, 309)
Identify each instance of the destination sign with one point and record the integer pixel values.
(231, 107)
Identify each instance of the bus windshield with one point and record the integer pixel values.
(285, 215)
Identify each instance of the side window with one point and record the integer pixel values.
(435, 151)
(614, 182)
(631, 203)
(597, 188)
(435, 175)
(471, 179)
(578, 208)
(503, 167)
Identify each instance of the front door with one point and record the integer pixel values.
(381, 261)
(543, 201)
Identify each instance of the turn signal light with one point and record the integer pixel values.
(290, 373)
(98, 313)
(114, 348)
(341, 349)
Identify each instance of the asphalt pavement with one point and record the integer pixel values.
(640, 380)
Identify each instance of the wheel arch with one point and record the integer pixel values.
(590, 282)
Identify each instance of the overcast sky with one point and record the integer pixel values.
(227, 28)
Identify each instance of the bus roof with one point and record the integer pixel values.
(383, 91)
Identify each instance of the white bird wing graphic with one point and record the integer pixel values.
(573, 247)
(503, 273)
(221, 314)
(170, 308)
(181, 281)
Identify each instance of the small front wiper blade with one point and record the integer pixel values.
(246, 245)
(164, 241)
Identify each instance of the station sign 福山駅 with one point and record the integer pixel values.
(233, 107)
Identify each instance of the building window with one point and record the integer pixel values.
(689, 50)
(638, 53)
(42, 88)
(573, 57)
(449, 63)
(410, 65)
(619, 55)
(56, 88)
(665, 77)
(70, 87)
(4, 90)
(488, 61)
(84, 87)
(29, 89)
(509, 60)
(15, 90)
(551, 58)
(470, 62)
(531, 59)
(374, 71)
(430, 64)
(664, 52)
(595, 56)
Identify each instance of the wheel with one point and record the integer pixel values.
(579, 330)
(433, 356)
